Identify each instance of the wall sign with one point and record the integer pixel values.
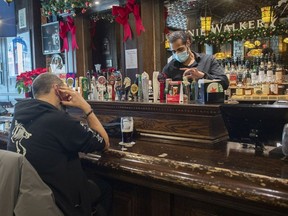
(22, 18)
(221, 27)
(131, 59)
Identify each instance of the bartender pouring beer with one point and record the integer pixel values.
(189, 63)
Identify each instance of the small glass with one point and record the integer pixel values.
(285, 141)
(127, 126)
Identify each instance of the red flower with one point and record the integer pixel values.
(24, 80)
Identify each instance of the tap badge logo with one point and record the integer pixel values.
(18, 134)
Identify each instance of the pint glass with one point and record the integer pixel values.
(285, 140)
(127, 130)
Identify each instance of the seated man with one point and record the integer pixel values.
(50, 139)
(189, 63)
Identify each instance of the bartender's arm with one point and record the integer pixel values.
(215, 72)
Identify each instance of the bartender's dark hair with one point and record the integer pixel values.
(43, 84)
(178, 35)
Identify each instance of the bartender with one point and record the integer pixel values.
(191, 64)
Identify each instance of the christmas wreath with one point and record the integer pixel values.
(54, 7)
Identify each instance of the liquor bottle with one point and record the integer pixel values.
(227, 70)
(269, 77)
(233, 76)
(265, 88)
(240, 76)
(279, 75)
(248, 80)
(274, 87)
(261, 77)
(279, 71)
(254, 76)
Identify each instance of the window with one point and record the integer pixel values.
(15, 58)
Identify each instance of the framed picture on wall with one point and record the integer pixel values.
(50, 38)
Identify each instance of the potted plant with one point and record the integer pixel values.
(24, 81)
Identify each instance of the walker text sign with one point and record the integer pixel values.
(221, 27)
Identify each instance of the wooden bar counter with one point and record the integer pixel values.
(200, 174)
(194, 178)
(193, 123)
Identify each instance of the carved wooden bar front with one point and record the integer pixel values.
(196, 123)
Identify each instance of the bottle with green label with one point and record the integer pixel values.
(85, 89)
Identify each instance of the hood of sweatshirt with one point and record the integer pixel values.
(30, 109)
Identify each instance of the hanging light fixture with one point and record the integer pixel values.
(267, 15)
(8, 2)
(206, 24)
(206, 21)
(285, 40)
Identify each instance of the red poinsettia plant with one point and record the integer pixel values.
(24, 80)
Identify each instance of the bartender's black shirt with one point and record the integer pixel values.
(203, 62)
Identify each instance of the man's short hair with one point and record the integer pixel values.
(178, 35)
(43, 84)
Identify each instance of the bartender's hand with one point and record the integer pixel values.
(192, 73)
(74, 99)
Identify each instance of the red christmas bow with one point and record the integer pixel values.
(122, 15)
(63, 34)
(72, 29)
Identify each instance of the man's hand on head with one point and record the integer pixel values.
(74, 99)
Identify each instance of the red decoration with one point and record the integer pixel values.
(24, 80)
(72, 29)
(63, 34)
(122, 15)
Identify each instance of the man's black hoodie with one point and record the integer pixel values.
(51, 139)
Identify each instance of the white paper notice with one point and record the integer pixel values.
(131, 59)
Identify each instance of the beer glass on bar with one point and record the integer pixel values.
(127, 130)
(285, 141)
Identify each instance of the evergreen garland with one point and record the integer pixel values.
(56, 7)
(238, 35)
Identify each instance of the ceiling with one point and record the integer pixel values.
(224, 11)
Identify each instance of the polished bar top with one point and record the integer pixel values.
(227, 170)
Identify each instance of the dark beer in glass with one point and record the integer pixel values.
(127, 129)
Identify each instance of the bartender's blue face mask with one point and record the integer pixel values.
(181, 56)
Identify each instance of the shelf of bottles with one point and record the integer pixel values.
(256, 78)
